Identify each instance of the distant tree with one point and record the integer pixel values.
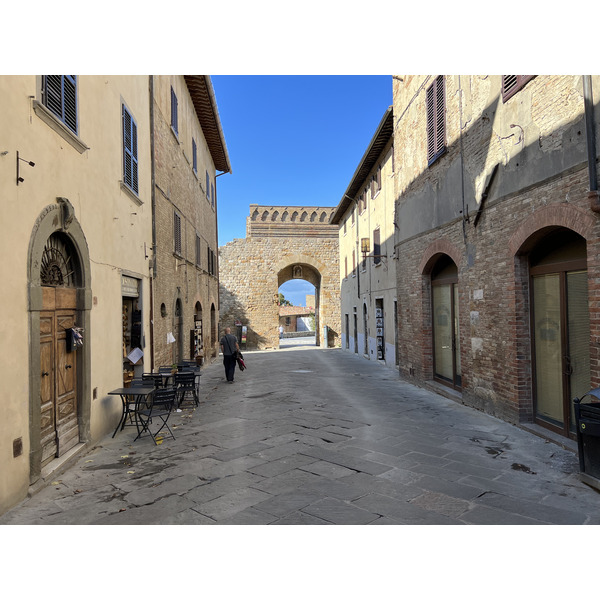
(283, 301)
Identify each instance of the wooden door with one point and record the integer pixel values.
(47, 388)
(59, 424)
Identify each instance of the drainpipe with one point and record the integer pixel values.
(591, 143)
(153, 198)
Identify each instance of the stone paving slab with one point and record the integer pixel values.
(339, 512)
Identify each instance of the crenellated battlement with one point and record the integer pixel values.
(290, 221)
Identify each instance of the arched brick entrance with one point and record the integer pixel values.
(282, 243)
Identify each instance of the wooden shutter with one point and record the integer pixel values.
(70, 101)
(511, 84)
(436, 119)
(177, 233)
(376, 247)
(59, 95)
(174, 111)
(130, 161)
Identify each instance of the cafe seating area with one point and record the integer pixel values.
(149, 401)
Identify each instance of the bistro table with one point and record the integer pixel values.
(131, 397)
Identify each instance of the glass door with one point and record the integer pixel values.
(560, 329)
(446, 338)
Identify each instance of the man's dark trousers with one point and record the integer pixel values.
(229, 362)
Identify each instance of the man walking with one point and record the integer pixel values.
(229, 348)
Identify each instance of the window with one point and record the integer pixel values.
(361, 203)
(174, 112)
(177, 233)
(353, 262)
(212, 195)
(376, 247)
(59, 95)
(130, 155)
(198, 250)
(511, 84)
(376, 182)
(211, 262)
(436, 119)
(345, 222)
(194, 156)
(345, 267)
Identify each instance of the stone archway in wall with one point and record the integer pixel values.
(306, 272)
(282, 243)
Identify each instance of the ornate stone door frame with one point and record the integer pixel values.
(58, 217)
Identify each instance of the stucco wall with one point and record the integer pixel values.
(115, 228)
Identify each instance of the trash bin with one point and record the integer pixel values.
(587, 420)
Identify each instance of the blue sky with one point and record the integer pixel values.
(292, 141)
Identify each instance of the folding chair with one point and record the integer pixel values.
(185, 382)
(159, 408)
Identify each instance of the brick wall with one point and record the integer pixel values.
(537, 141)
(251, 271)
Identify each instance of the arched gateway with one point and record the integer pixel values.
(282, 243)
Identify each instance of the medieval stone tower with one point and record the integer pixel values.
(282, 243)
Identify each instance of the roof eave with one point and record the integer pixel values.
(383, 133)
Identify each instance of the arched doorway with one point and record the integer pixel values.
(60, 276)
(178, 329)
(446, 338)
(560, 327)
(213, 329)
(59, 301)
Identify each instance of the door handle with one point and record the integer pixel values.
(68, 366)
(568, 366)
(45, 374)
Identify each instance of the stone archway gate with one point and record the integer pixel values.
(282, 243)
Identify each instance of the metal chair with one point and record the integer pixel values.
(159, 408)
(185, 382)
(155, 378)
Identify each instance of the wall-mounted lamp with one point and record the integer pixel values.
(365, 248)
(29, 162)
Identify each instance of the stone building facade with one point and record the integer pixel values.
(368, 280)
(77, 187)
(189, 149)
(498, 242)
(282, 243)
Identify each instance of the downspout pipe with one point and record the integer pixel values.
(591, 143)
(153, 201)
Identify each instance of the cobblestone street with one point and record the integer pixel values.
(317, 437)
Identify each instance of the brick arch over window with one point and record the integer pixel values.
(441, 246)
(519, 402)
(558, 215)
